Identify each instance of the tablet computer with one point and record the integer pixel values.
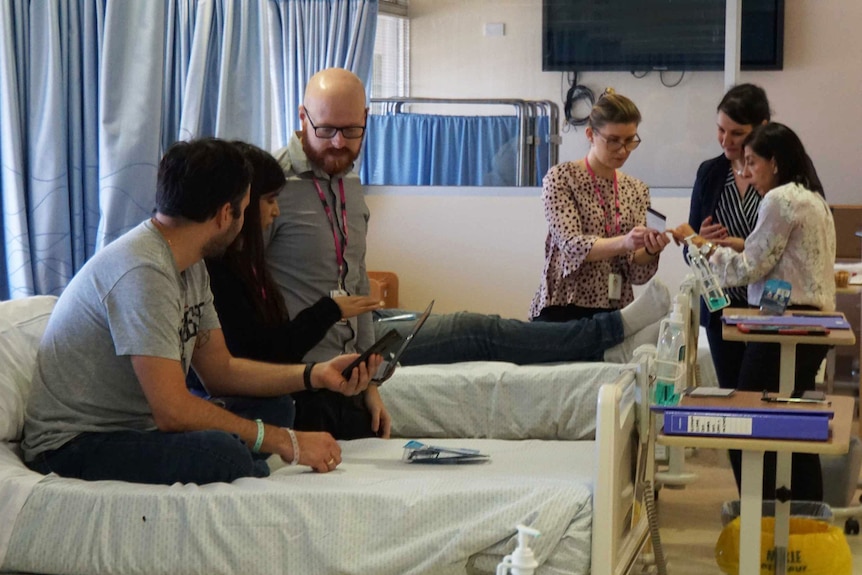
(391, 346)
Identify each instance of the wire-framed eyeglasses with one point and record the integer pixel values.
(614, 144)
(328, 132)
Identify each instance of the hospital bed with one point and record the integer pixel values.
(375, 514)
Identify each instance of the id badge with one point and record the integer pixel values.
(338, 293)
(615, 286)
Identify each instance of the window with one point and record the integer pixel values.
(391, 66)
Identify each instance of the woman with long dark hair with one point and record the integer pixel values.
(794, 241)
(255, 319)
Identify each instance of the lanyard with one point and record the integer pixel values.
(340, 245)
(602, 203)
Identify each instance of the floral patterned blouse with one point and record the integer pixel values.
(576, 220)
(794, 240)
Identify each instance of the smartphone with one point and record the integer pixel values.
(656, 220)
(389, 340)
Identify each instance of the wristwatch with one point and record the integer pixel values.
(707, 249)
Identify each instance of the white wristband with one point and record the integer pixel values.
(295, 445)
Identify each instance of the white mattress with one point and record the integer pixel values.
(497, 399)
(375, 514)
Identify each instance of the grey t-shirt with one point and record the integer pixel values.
(129, 299)
(301, 247)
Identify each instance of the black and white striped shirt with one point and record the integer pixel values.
(739, 215)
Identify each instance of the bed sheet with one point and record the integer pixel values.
(375, 514)
(497, 399)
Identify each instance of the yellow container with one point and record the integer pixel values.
(813, 548)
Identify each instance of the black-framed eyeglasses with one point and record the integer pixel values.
(328, 132)
(613, 144)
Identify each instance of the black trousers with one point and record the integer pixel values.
(760, 371)
(726, 355)
(344, 417)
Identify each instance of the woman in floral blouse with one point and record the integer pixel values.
(597, 244)
(794, 241)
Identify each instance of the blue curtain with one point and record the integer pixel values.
(93, 91)
(434, 150)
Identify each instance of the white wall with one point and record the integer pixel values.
(482, 249)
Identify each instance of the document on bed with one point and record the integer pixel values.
(418, 452)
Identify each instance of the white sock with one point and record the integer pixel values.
(622, 352)
(653, 305)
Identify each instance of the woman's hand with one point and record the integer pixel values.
(381, 422)
(681, 232)
(635, 239)
(353, 305)
(738, 244)
(712, 232)
(655, 242)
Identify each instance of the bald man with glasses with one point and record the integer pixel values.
(316, 247)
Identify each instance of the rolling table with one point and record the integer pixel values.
(751, 495)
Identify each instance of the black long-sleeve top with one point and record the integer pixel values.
(248, 337)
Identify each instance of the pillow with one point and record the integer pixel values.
(22, 323)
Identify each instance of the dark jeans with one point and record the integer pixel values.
(465, 336)
(158, 457)
(759, 371)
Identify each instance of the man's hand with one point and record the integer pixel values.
(381, 422)
(327, 375)
(354, 305)
(317, 449)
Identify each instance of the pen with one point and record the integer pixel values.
(768, 398)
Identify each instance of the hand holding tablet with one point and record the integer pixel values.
(391, 346)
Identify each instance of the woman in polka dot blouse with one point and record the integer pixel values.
(598, 245)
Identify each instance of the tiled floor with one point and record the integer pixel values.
(690, 518)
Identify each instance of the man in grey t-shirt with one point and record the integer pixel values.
(109, 399)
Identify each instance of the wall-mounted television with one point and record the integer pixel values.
(640, 35)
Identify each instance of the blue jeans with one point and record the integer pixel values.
(159, 457)
(465, 336)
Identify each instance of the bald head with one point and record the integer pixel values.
(334, 98)
(335, 85)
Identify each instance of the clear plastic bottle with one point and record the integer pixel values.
(713, 295)
(670, 358)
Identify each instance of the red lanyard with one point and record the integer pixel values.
(603, 204)
(340, 245)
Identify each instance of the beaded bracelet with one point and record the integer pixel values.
(295, 444)
(259, 441)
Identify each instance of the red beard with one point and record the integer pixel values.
(332, 161)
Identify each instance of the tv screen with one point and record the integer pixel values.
(639, 35)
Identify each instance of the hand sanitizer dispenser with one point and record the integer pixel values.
(521, 561)
(710, 289)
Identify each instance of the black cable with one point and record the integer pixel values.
(663, 83)
(576, 93)
(640, 75)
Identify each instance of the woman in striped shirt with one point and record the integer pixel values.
(724, 209)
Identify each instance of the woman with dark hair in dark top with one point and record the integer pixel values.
(724, 210)
(255, 321)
